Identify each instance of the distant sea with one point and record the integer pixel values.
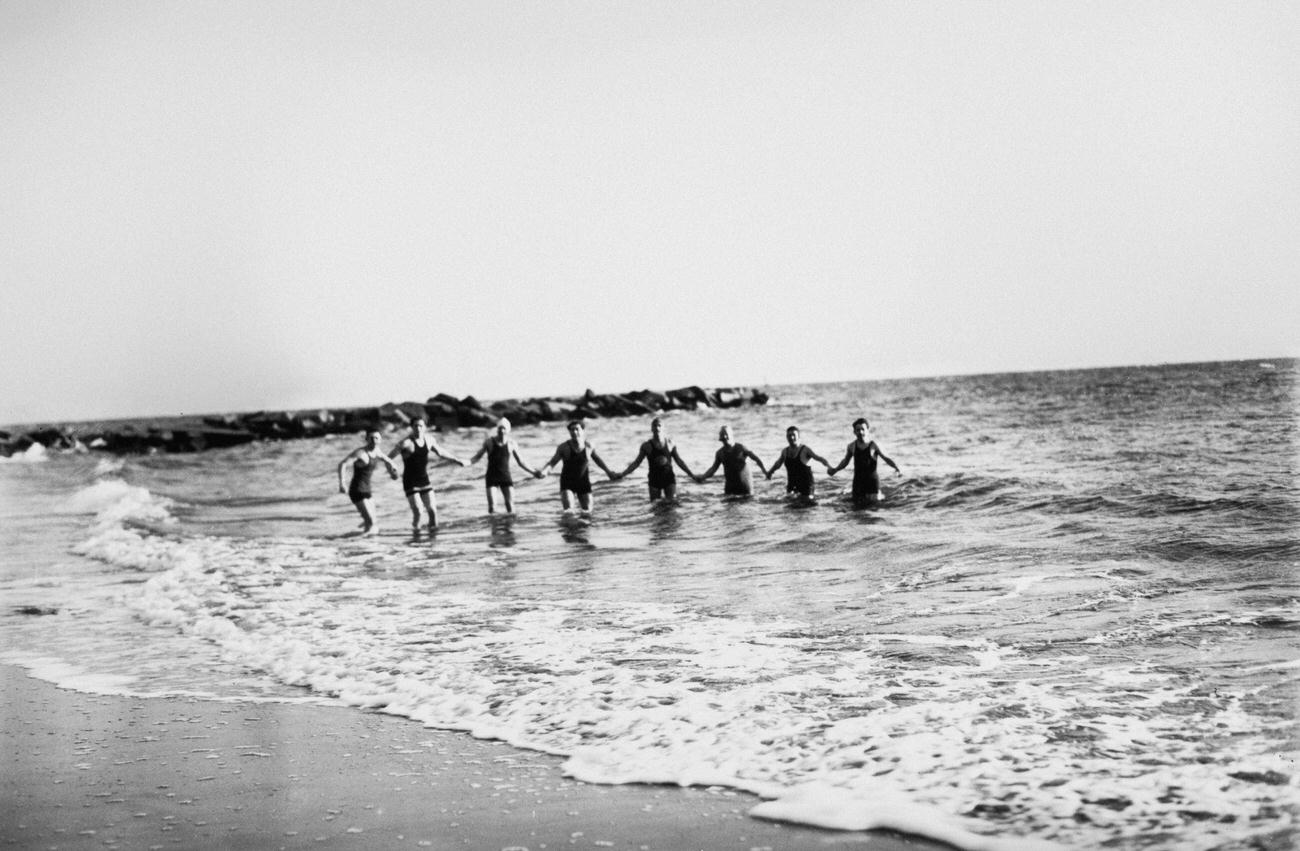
(1075, 617)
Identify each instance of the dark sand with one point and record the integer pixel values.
(83, 771)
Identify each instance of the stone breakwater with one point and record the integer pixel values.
(442, 412)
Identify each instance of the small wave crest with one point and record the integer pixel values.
(33, 454)
(115, 501)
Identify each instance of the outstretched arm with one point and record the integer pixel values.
(819, 459)
(398, 450)
(514, 450)
(776, 465)
(757, 460)
(600, 462)
(446, 456)
(717, 462)
(848, 454)
(555, 459)
(681, 463)
(481, 450)
(883, 457)
(392, 468)
(640, 456)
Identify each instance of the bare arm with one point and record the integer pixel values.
(848, 454)
(819, 459)
(680, 462)
(399, 449)
(757, 460)
(600, 462)
(514, 451)
(717, 462)
(883, 457)
(556, 458)
(350, 456)
(640, 456)
(446, 456)
(392, 468)
(776, 465)
(482, 449)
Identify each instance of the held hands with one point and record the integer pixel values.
(539, 474)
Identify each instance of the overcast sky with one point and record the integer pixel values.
(228, 206)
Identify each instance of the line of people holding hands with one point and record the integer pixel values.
(576, 455)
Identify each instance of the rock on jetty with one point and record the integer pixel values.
(442, 412)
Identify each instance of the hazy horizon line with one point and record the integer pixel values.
(62, 421)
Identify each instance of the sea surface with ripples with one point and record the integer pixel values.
(1075, 618)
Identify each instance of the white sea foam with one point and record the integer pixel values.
(114, 501)
(33, 454)
(637, 692)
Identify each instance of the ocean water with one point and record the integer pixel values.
(1074, 622)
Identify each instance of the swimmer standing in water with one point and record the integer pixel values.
(364, 460)
(500, 448)
(795, 456)
(575, 456)
(415, 449)
(864, 452)
(662, 453)
(732, 457)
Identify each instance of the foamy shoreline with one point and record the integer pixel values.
(94, 771)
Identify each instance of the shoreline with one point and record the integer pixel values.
(93, 771)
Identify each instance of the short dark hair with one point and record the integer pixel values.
(573, 423)
(863, 421)
(791, 428)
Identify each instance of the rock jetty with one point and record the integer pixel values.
(442, 412)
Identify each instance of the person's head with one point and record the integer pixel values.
(503, 427)
(861, 426)
(724, 434)
(417, 426)
(576, 429)
(656, 426)
(372, 438)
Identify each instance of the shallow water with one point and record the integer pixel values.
(1075, 619)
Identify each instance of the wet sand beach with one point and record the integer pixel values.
(88, 771)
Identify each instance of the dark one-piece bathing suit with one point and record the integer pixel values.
(800, 475)
(866, 482)
(360, 487)
(735, 471)
(661, 465)
(415, 469)
(575, 470)
(498, 464)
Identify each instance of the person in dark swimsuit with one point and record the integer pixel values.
(499, 449)
(795, 457)
(662, 454)
(864, 453)
(364, 459)
(574, 457)
(732, 457)
(415, 450)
